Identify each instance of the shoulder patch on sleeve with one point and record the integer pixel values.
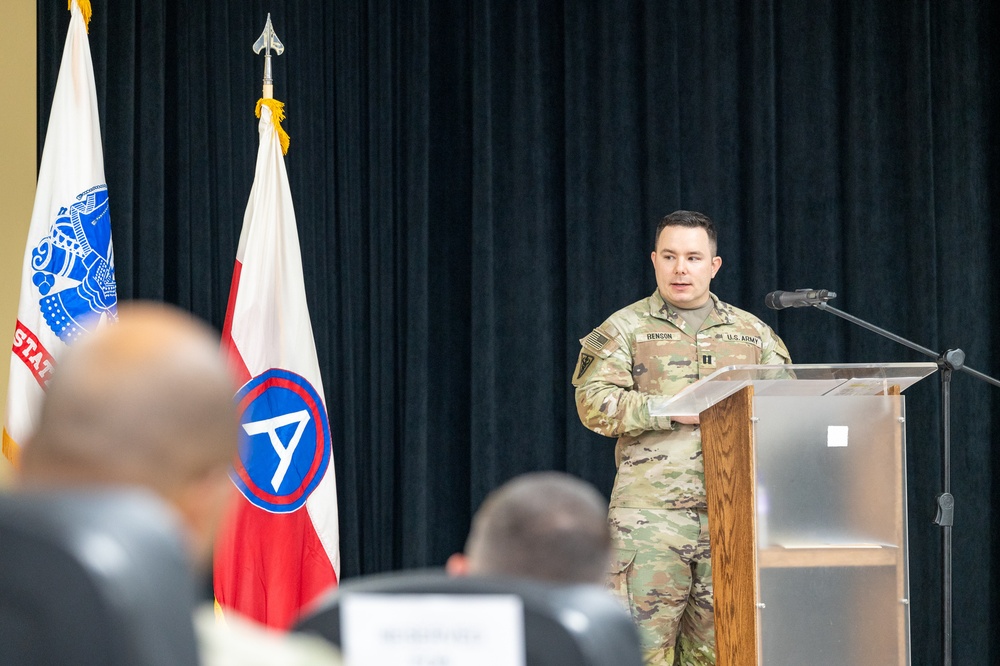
(601, 340)
(585, 362)
(596, 340)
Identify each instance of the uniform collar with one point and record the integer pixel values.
(721, 314)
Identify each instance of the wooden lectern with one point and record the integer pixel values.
(806, 481)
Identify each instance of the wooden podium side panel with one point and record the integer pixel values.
(727, 447)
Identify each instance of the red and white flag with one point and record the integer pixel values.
(279, 546)
(68, 275)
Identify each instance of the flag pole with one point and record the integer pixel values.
(267, 42)
(278, 549)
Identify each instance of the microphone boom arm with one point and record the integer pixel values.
(953, 359)
(948, 362)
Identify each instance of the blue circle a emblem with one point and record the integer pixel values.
(284, 442)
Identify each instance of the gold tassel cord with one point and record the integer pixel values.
(220, 617)
(85, 9)
(277, 115)
(11, 450)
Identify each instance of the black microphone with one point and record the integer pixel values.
(800, 298)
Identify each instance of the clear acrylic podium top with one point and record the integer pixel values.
(790, 380)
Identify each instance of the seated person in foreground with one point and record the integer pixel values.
(547, 526)
(148, 402)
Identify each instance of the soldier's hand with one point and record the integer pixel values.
(688, 420)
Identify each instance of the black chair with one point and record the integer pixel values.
(93, 578)
(564, 625)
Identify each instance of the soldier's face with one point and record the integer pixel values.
(685, 263)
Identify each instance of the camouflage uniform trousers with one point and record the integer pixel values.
(662, 573)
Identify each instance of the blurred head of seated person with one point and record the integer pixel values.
(148, 402)
(547, 526)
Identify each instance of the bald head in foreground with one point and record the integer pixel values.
(148, 402)
(547, 526)
(145, 402)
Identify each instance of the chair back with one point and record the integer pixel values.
(564, 625)
(93, 578)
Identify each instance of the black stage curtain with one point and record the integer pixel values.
(476, 185)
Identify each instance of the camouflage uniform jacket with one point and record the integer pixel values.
(648, 349)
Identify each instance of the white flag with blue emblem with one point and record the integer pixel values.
(278, 549)
(68, 278)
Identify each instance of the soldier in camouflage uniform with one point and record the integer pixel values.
(658, 514)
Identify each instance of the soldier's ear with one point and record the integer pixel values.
(457, 565)
(716, 264)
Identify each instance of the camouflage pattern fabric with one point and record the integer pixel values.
(643, 350)
(647, 349)
(662, 574)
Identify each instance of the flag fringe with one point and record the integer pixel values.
(85, 9)
(277, 115)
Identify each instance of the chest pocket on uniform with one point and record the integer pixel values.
(736, 349)
(660, 359)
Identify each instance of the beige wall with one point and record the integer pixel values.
(17, 170)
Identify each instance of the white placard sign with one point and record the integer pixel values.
(432, 629)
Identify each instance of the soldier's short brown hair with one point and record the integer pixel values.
(687, 218)
(547, 526)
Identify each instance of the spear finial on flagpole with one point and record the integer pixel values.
(268, 42)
